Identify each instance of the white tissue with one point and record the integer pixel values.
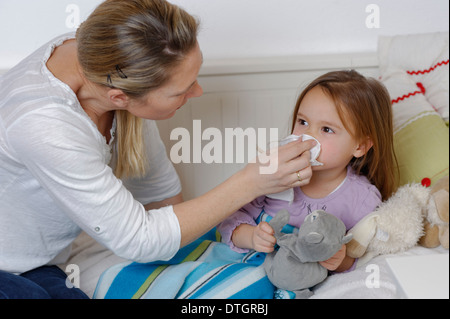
(288, 195)
(288, 139)
(315, 151)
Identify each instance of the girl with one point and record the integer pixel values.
(350, 116)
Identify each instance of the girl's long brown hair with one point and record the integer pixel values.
(364, 104)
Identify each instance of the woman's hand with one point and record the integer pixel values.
(285, 167)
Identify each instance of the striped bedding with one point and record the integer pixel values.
(205, 269)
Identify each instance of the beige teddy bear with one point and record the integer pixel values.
(436, 221)
(398, 223)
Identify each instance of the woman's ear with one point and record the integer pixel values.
(118, 98)
(363, 147)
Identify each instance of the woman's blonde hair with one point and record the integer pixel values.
(364, 104)
(134, 45)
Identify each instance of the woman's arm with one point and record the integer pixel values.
(166, 202)
(199, 215)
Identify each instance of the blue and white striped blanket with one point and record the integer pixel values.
(205, 269)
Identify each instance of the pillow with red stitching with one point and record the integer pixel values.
(414, 69)
(425, 60)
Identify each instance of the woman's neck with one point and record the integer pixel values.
(64, 65)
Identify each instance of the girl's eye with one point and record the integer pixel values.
(327, 130)
(302, 122)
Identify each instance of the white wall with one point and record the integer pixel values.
(240, 28)
(248, 28)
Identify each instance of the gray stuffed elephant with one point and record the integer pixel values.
(295, 265)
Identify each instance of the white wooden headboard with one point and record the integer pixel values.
(250, 93)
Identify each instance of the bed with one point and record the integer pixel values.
(261, 93)
(93, 260)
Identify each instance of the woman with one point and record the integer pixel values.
(79, 149)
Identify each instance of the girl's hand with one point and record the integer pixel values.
(263, 239)
(334, 262)
(260, 237)
(285, 167)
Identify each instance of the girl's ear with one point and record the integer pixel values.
(363, 147)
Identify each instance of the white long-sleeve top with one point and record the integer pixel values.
(56, 177)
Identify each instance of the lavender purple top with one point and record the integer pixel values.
(351, 201)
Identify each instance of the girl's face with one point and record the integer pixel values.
(317, 116)
(163, 102)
